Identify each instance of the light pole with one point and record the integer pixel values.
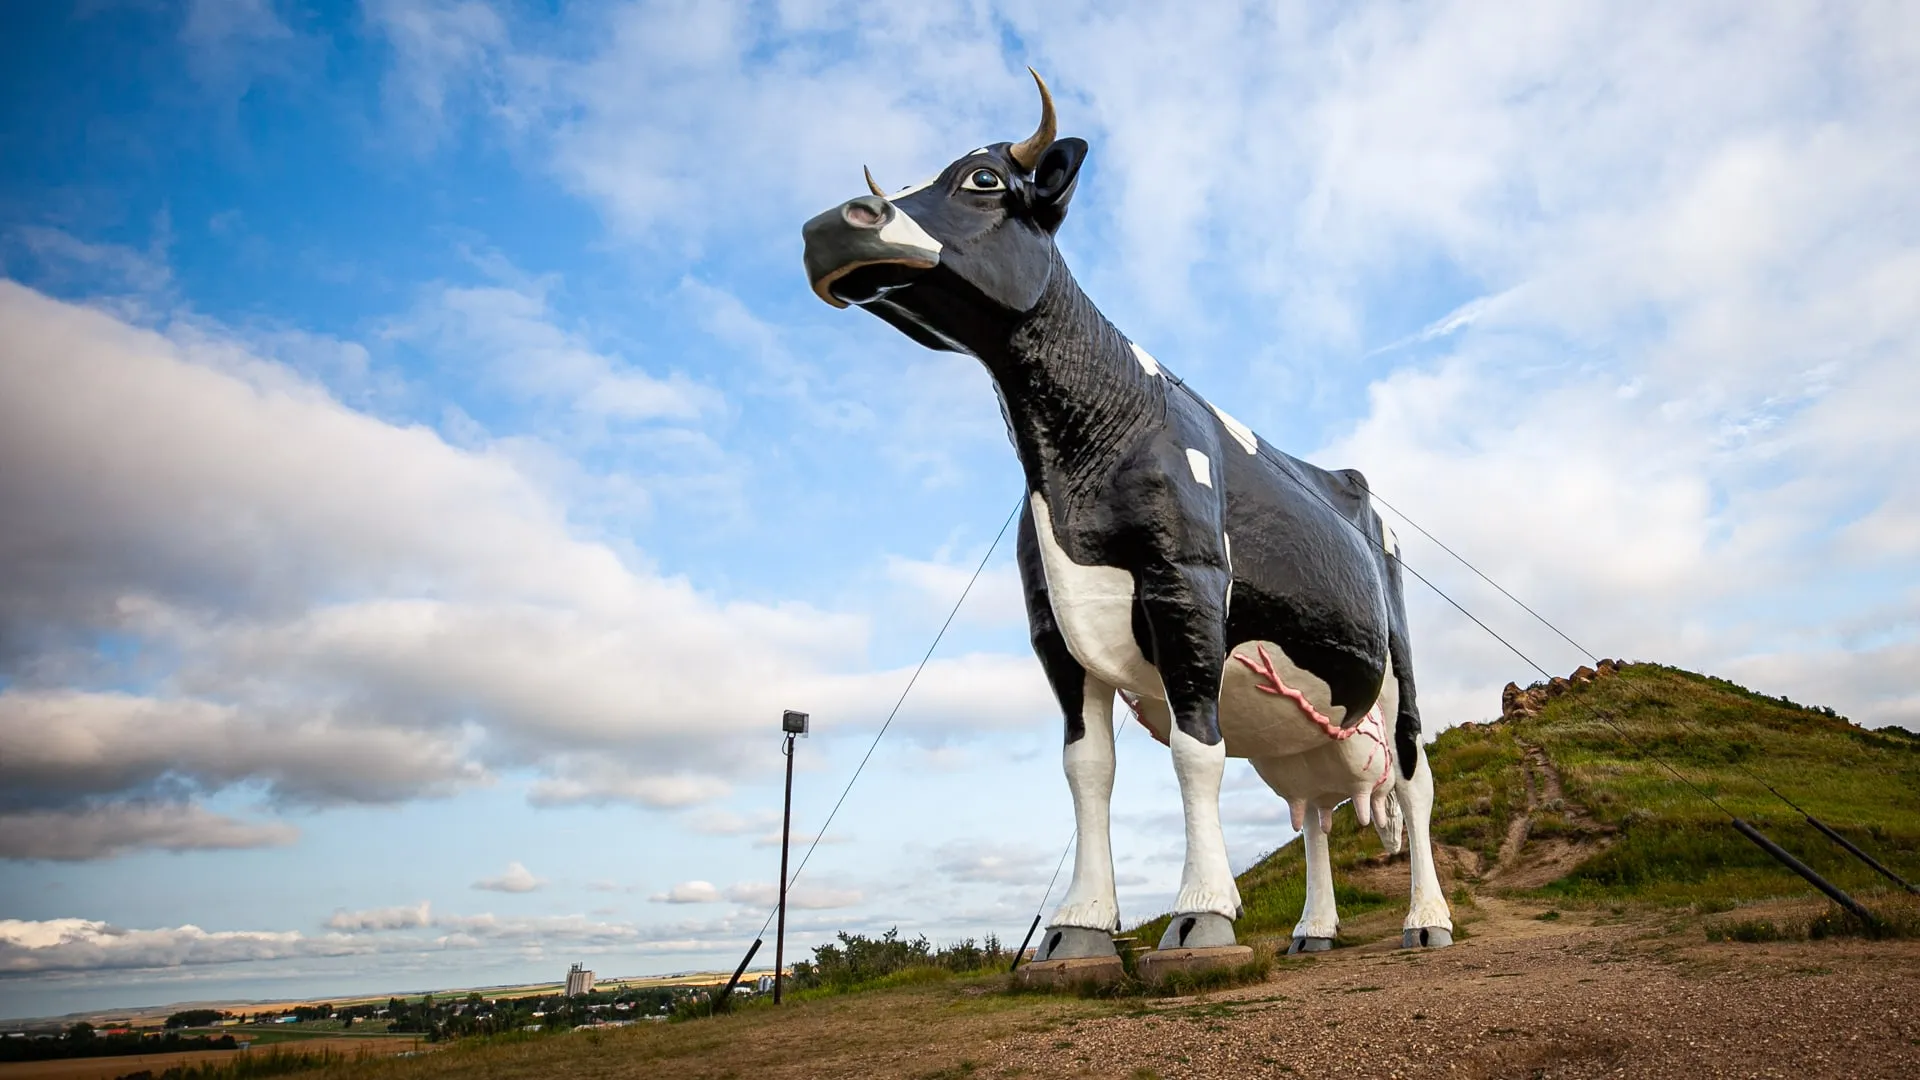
(795, 725)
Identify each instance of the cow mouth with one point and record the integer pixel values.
(865, 282)
(864, 247)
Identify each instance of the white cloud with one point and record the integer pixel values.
(516, 879)
(82, 832)
(355, 611)
(689, 892)
(996, 599)
(979, 862)
(63, 743)
(800, 896)
(58, 945)
(510, 333)
(391, 918)
(441, 48)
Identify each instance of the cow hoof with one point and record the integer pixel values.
(1074, 943)
(1201, 930)
(1309, 944)
(1426, 937)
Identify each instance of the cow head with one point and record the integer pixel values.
(956, 261)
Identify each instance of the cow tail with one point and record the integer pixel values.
(1406, 728)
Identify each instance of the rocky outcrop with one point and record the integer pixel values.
(1518, 704)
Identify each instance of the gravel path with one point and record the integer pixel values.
(1523, 998)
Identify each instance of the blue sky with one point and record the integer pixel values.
(425, 474)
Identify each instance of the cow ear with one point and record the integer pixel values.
(1054, 179)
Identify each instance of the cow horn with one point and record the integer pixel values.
(1026, 153)
(871, 186)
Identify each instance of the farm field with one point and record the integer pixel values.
(109, 1068)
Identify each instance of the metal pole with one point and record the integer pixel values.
(1807, 872)
(1024, 942)
(786, 825)
(1858, 854)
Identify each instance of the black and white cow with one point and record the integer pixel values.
(1245, 602)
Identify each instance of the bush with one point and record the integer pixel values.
(859, 959)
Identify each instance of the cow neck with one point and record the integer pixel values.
(1073, 394)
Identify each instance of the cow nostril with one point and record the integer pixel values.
(864, 214)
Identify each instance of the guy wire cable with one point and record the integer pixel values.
(895, 711)
(1683, 722)
(1057, 867)
(1741, 826)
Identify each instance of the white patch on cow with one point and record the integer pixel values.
(1090, 901)
(1206, 882)
(912, 189)
(905, 232)
(1226, 545)
(1094, 607)
(1241, 433)
(1202, 468)
(1147, 363)
(1388, 541)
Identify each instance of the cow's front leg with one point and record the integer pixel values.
(1084, 923)
(1090, 903)
(1187, 618)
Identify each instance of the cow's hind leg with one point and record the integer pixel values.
(1319, 917)
(1429, 922)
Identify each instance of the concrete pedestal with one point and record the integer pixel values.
(1156, 966)
(1047, 974)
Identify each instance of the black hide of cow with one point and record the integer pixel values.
(1105, 441)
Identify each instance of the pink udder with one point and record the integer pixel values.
(1371, 726)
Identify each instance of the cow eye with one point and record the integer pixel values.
(984, 180)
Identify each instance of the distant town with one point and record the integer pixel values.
(577, 1002)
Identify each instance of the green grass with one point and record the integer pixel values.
(1478, 787)
(1669, 846)
(1673, 846)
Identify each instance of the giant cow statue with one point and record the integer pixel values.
(1246, 603)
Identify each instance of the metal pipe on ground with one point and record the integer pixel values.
(1787, 859)
(726, 996)
(1858, 854)
(1024, 942)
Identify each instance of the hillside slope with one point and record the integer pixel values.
(1561, 799)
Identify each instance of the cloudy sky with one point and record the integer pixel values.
(425, 474)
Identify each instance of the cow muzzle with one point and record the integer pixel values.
(864, 247)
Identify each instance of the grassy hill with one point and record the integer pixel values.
(1550, 814)
(1566, 803)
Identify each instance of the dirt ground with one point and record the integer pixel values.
(1520, 997)
(1582, 995)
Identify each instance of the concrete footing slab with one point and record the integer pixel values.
(1048, 974)
(1156, 966)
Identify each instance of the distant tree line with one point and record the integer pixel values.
(83, 1041)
